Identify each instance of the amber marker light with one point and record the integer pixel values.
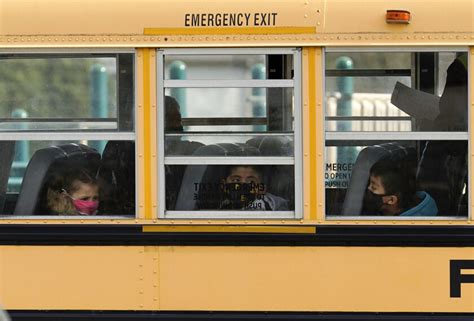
(398, 16)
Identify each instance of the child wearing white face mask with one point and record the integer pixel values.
(74, 192)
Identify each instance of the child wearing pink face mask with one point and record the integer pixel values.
(75, 192)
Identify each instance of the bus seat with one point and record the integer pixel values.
(443, 167)
(117, 178)
(7, 151)
(280, 179)
(45, 161)
(353, 201)
(193, 174)
(442, 173)
(273, 145)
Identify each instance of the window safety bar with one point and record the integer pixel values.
(397, 136)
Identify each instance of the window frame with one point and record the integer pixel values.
(296, 160)
(398, 135)
(79, 134)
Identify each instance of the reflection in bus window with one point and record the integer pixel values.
(371, 92)
(69, 119)
(410, 120)
(244, 188)
(233, 187)
(442, 176)
(229, 133)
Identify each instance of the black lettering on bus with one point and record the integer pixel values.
(265, 19)
(456, 278)
(218, 20)
(274, 14)
(210, 20)
(339, 166)
(194, 20)
(256, 18)
(247, 19)
(186, 20)
(232, 19)
(240, 19)
(226, 20)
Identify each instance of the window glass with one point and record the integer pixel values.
(387, 153)
(223, 67)
(67, 146)
(53, 92)
(363, 93)
(54, 177)
(229, 150)
(428, 177)
(372, 60)
(203, 105)
(248, 145)
(233, 187)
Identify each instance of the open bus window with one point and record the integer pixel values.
(387, 153)
(229, 133)
(67, 127)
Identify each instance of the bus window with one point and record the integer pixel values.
(387, 150)
(229, 130)
(67, 134)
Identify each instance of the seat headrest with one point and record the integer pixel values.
(203, 173)
(227, 149)
(45, 161)
(7, 152)
(353, 200)
(273, 145)
(117, 178)
(118, 154)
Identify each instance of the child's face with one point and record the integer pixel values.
(243, 174)
(375, 185)
(85, 191)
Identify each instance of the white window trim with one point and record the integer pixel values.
(379, 136)
(77, 134)
(296, 160)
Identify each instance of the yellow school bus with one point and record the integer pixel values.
(272, 160)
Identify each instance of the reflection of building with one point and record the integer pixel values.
(224, 102)
(366, 108)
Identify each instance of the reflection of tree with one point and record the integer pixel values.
(56, 87)
(371, 60)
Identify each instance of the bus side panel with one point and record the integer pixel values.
(76, 277)
(199, 278)
(383, 279)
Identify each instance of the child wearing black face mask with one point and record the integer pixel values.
(391, 191)
(244, 190)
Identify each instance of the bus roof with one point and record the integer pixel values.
(119, 23)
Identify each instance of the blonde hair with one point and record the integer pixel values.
(59, 203)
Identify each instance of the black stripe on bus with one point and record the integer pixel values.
(40, 234)
(53, 315)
